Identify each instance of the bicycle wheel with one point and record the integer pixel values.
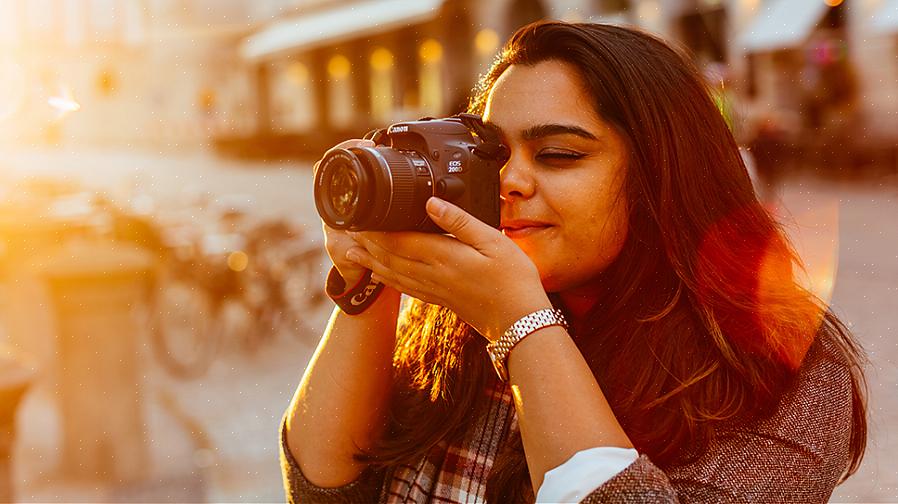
(185, 339)
(302, 288)
(303, 284)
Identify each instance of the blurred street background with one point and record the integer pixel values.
(161, 260)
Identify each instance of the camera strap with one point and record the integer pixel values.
(377, 136)
(356, 299)
(491, 146)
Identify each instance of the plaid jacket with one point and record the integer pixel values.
(796, 455)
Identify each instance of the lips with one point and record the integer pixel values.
(518, 228)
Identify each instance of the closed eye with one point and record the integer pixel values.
(558, 156)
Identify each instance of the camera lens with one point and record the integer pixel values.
(344, 191)
(373, 188)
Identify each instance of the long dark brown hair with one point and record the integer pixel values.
(703, 286)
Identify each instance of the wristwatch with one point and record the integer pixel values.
(525, 326)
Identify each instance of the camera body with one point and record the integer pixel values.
(385, 187)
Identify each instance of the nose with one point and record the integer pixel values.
(516, 179)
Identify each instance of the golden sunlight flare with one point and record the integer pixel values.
(64, 103)
(238, 261)
(815, 235)
(749, 275)
(486, 41)
(430, 51)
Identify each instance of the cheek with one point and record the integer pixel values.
(569, 260)
(592, 244)
(590, 238)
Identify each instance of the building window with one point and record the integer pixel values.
(133, 22)
(104, 22)
(430, 52)
(486, 43)
(341, 102)
(705, 34)
(835, 16)
(525, 11)
(42, 20)
(292, 99)
(9, 23)
(382, 85)
(615, 6)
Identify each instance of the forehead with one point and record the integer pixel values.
(545, 93)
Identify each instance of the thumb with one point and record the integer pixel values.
(461, 224)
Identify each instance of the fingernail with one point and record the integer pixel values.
(352, 255)
(436, 206)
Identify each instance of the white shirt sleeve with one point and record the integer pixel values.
(585, 471)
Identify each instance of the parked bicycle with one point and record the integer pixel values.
(230, 279)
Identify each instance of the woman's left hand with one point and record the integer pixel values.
(480, 274)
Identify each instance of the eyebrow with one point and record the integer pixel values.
(544, 130)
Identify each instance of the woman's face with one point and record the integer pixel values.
(562, 188)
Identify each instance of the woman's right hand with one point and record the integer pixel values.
(328, 419)
(337, 242)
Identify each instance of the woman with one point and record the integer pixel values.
(693, 368)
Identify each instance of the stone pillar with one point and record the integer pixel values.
(263, 99)
(458, 37)
(321, 89)
(94, 289)
(361, 84)
(14, 381)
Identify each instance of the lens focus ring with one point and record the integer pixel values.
(401, 208)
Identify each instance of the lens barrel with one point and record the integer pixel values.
(373, 188)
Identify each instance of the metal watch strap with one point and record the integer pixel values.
(525, 326)
(357, 299)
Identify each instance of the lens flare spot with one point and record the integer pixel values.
(64, 103)
(339, 67)
(746, 279)
(297, 73)
(381, 59)
(238, 260)
(430, 51)
(486, 41)
(815, 233)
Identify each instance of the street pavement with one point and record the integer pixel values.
(215, 438)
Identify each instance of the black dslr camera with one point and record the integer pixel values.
(385, 187)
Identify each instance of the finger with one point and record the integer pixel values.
(396, 269)
(405, 284)
(404, 288)
(408, 246)
(431, 250)
(461, 224)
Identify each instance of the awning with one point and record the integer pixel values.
(886, 19)
(783, 24)
(337, 24)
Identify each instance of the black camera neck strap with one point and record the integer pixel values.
(356, 299)
(491, 146)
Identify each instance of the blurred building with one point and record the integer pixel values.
(333, 69)
(290, 77)
(129, 73)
